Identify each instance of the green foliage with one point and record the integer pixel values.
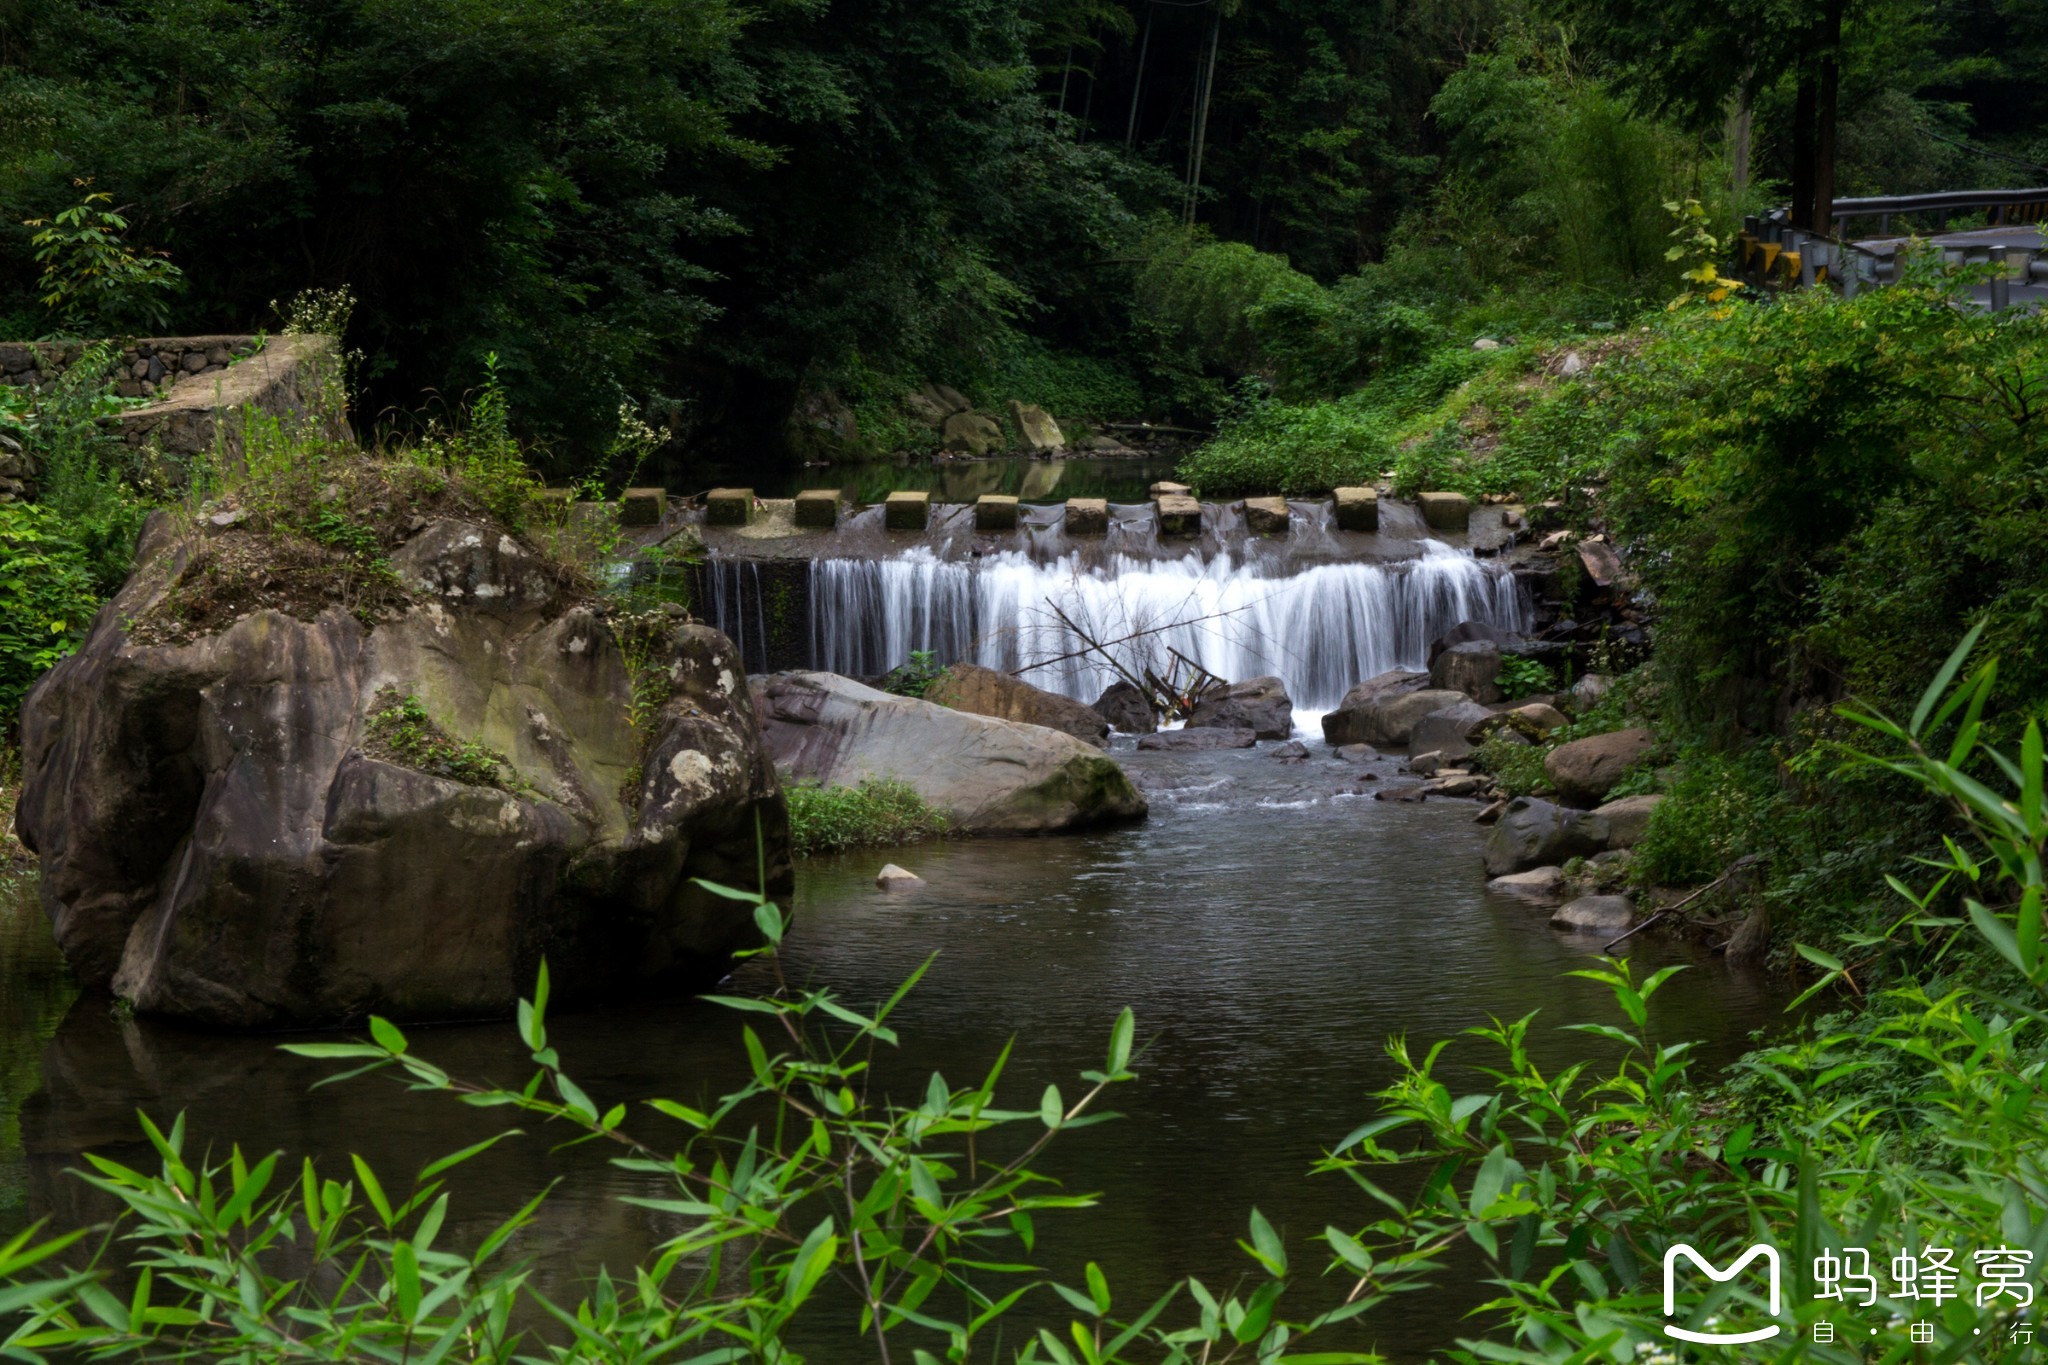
(1517, 768)
(88, 479)
(1557, 174)
(878, 812)
(1294, 450)
(647, 640)
(401, 730)
(1521, 676)
(914, 677)
(47, 598)
(91, 279)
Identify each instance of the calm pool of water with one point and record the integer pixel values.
(1270, 927)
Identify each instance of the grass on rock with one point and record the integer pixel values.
(878, 811)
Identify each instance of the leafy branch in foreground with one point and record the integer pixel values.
(1916, 1122)
(904, 1226)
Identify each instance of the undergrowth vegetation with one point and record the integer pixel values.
(401, 730)
(880, 811)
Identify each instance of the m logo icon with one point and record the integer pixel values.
(1671, 1257)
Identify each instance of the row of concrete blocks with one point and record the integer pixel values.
(1179, 514)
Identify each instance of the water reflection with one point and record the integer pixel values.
(1270, 926)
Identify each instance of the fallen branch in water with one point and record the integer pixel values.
(1169, 695)
(1746, 861)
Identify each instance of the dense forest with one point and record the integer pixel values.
(1483, 246)
(709, 210)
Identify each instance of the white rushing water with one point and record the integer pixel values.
(1321, 629)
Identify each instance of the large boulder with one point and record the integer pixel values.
(985, 692)
(989, 776)
(1468, 632)
(1260, 705)
(258, 807)
(1585, 770)
(971, 433)
(1341, 725)
(1471, 667)
(1628, 819)
(1596, 915)
(1126, 709)
(1391, 719)
(1535, 833)
(1540, 884)
(1449, 730)
(1036, 429)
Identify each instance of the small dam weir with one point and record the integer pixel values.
(1320, 609)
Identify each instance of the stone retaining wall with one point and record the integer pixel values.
(200, 385)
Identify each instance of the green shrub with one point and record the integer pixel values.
(1524, 677)
(88, 477)
(1721, 807)
(877, 812)
(47, 599)
(1302, 451)
(914, 677)
(1518, 768)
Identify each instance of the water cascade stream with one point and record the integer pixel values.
(1321, 627)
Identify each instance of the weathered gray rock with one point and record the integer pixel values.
(1342, 725)
(989, 776)
(1039, 433)
(1541, 884)
(1260, 705)
(1460, 784)
(1470, 667)
(1195, 741)
(1539, 716)
(1445, 511)
(1293, 751)
(1467, 632)
(1385, 717)
(1357, 753)
(1627, 819)
(1267, 516)
(1358, 509)
(1586, 693)
(1408, 793)
(1536, 833)
(1585, 770)
(1425, 764)
(1596, 915)
(1449, 729)
(1125, 708)
(894, 878)
(985, 692)
(226, 835)
(1526, 723)
(971, 433)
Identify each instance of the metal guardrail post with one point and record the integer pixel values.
(2001, 283)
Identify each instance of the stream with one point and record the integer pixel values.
(1270, 925)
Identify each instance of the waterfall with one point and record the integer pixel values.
(1321, 629)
